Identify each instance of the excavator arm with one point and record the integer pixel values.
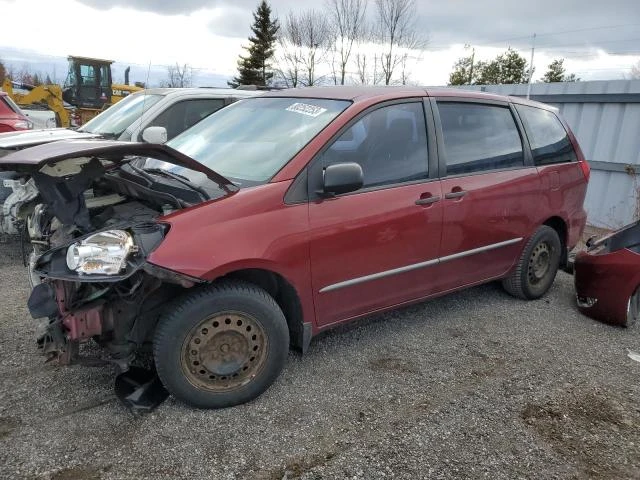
(49, 94)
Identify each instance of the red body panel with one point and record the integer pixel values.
(563, 188)
(378, 231)
(317, 246)
(498, 207)
(10, 121)
(611, 278)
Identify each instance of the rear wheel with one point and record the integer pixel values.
(221, 346)
(537, 267)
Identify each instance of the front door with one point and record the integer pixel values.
(490, 193)
(375, 247)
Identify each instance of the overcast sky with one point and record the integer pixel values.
(599, 39)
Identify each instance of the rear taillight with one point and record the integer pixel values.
(586, 169)
(22, 125)
(584, 165)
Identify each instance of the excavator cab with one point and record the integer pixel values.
(88, 84)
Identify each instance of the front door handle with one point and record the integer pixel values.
(456, 194)
(427, 200)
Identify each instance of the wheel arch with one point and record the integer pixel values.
(560, 226)
(285, 295)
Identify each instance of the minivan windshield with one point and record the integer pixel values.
(249, 141)
(116, 119)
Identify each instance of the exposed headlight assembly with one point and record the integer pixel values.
(103, 253)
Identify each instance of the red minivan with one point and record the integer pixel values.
(283, 215)
(11, 118)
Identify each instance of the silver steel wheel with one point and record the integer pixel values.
(224, 352)
(539, 262)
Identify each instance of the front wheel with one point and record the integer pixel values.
(221, 346)
(537, 267)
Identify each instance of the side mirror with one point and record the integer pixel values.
(154, 135)
(342, 178)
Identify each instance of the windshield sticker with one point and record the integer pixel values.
(306, 109)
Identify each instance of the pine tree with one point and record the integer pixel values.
(557, 73)
(255, 69)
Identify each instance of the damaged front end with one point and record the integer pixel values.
(95, 216)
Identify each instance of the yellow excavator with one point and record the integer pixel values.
(87, 91)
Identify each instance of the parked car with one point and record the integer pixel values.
(174, 109)
(11, 118)
(282, 216)
(607, 277)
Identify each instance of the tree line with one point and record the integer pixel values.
(351, 41)
(345, 41)
(507, 67)
(23, 75)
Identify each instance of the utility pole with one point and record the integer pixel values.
(473, 55)
(533, 48)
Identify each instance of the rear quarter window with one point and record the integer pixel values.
(547, 136)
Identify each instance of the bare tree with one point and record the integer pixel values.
(178, 76)
(290, 51)
(316, 35)
(367, 69)
(348, 19)
(396, 28)
(304, 43)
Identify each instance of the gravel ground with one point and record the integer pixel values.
(472, 385)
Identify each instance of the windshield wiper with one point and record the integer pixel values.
(180, 178)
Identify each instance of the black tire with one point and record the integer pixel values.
(537, 267)
(222, 345)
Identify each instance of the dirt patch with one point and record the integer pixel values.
(8, 425)
(297, 466)
(393, 364)
(590, 428)
(77, 473)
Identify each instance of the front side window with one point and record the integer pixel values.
(479, 138)
(389, 143)
(104, 76)
(548, 138)
(88, 75)
(251, 140)
(183, 115)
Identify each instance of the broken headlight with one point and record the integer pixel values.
(103, 253)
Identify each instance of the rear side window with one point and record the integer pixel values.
(183, 115)
(479, 138)
(547, 136)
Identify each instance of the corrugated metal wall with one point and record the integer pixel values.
(605, 117)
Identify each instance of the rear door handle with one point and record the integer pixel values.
(427, 200)
(456, 194)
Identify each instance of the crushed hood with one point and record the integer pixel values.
(28, 138)
(35, 158)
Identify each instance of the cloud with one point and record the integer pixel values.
(163, 7)
(231, 22)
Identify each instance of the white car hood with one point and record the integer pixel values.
(28, 138)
